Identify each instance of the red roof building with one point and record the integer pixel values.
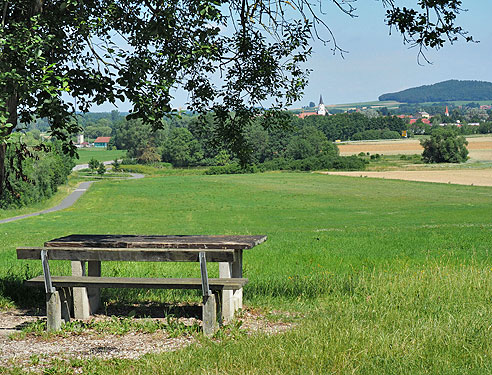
(424, 120)
(306, 114)
(101, 141)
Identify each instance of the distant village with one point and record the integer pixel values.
(421, 116)
(426, 118)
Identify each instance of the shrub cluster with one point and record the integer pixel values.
(42, 176)
(345, 163)
(444, 146)
(233, 168)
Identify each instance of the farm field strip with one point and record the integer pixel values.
(480, 148)
(476, 177)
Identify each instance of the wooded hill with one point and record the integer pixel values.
(446, 91)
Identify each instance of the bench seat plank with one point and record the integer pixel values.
(129, 282)
(135, 255)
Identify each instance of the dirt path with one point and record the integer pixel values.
(476, 177)
(68, 201)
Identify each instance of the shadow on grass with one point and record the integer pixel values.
(152, 310)
(116, 302)
(14, 293)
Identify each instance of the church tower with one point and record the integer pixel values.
(321, 107)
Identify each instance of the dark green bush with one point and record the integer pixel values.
(231, 169)
(349, 163)
(42, 176)
(444, 146)
(322, 162)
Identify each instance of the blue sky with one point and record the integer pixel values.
(377, 63)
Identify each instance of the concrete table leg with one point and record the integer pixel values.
(94, 294)
(53, 311)
(80, 299)
(231, 300)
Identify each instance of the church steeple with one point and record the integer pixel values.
(321, 107)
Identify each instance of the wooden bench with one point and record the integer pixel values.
(60, 292)
(80, 293)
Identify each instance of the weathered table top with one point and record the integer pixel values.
(157, 242)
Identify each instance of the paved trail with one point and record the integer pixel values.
(71, 199)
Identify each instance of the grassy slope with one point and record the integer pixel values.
(62, 192)
(393, 277)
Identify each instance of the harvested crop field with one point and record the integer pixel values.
(480, 148)
(477, 177)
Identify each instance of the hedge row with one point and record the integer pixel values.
(324, 162)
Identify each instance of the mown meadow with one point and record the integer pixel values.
(100, 154)
(378, 276)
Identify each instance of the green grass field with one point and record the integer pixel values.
(389, 277)
(86, 154)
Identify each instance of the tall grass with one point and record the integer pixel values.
(390, 277)
(429, 320)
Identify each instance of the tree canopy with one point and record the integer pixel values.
(444, 146)
(237, 59)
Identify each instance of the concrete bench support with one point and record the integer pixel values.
(58, 308)
(209, 313)
(232, 300)
(53, 311)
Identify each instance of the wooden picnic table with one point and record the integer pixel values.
(86, 252)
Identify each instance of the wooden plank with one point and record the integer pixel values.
(163, 241)
(136, 255)
(147, 283)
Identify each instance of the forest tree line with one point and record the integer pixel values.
(185, 142)
(451, 90)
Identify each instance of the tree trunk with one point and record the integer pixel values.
(3, 149)
(12, 104)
